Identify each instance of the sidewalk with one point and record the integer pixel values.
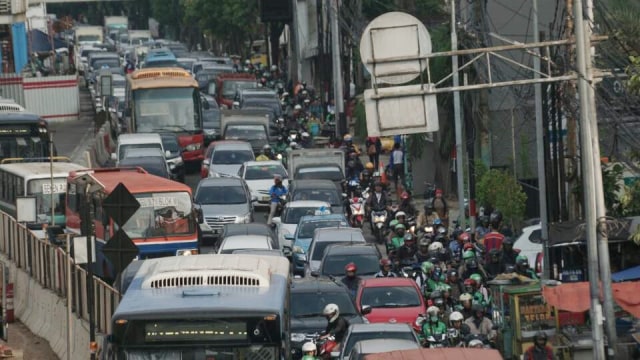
(26, 345)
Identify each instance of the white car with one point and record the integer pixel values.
(287, 223)
(529, 243)
(259, 177)
(245, 242)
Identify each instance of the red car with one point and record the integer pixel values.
(393, 300)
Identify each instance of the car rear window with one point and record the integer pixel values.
(359, 336)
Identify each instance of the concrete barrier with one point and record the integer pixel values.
(45, 314)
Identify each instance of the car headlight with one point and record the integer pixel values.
(187, 252)
(245, 219)
(193, 147)
(297, 337)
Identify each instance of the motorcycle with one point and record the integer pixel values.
(378, 223)
(282, 200)
(436, 341)
(356, 205)
(325, 346)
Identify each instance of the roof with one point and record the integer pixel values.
(374, 346)
(338, 231)
(246, 242)
(387, 282)
(377, 327)
(220, 181)
(136, 180)
(313, 184)
(156, 290)
(438, 354)
(247, 229)
(313, 284)
(15, 117)
(351, 249)
(574, 231)
(328, 217)
(232, 145)
(307, 203)
(151, 78)
(139, 137)
(263, 163)
(41, 169)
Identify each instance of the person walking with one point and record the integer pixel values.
(374, 148)
(396, 164)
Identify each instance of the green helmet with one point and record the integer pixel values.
(468, 255)
(400, 226)
(393, 223)
(443, 287)
(427, 266)
(522, 260)
(476, 277)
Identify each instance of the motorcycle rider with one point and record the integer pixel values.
(483, 228)
(351, 281)
(309, 351)
(385, 269)
(422, 254)
(406, 254)
(456, 246)
(398, 240)
(305, 140)
(337, 326)
(406, 206)
(480, 288)
(470, 265)
(266, 154)
(401, 217)
(470, 287)
(430, 283)
(366, 176)
(494, 267)
(479, 324)
(433, 325)
(281, 145)
(522, 267)
(539, 350)
(439, 205)
(377, 201)
(494, 239)
(277, 190)
(457, 286)
(466, 305)
(508, 254)
(456, 321)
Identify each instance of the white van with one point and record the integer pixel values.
(127, 142)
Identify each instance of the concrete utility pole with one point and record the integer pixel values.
(338, 95)
(540, 144)
(572, 126)
(457, 113)
(589, 178)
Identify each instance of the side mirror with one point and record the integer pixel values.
(344, 195)
(199, 216)
(315, 273)
(366, 309)
(114, 157)
(167, 153)
(255, 199)
(236, 104)
(286, 250)
(172, 166)
(276, 220)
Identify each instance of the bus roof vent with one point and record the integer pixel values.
(10, 107)
(205, 278)
(160, 73)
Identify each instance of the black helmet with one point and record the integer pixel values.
(494, 252)
(508, 240)
(484, 220)
(351, 164)
(509, 269)
(477, 307)
(540, 335)
(495, 219)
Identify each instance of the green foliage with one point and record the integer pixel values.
(498, 189)
(633, 71)
(169, 13)
(360, 130)
(612, 185)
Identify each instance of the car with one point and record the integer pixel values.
(248, 229)
(259, 177)
(255, 93)
(209, 73)
(204, 167)
(153, 164)
(297, 246)
(136, 141)
(227, 158)
(336, 257)
(272, 252)
(320, 190)
(322, 238)
(308, 299)
(392, 300)
(243, 242)
(366, 331)
(211, 117)
(374, 346)
(222, 201)
(530, 243)
(173, 154)
(185, 62)
(287, 222)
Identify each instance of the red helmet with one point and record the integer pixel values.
(385, 262)
(467, 246)
(470, 282)
(464, 237)
(351, 267)
(438, 191)
(404, 195)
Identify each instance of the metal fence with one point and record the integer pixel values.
(46, 263)
(53, 97)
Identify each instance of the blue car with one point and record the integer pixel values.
(301, 240)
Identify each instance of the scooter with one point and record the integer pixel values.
(436, 341)
(325, 346)
(378, 223)
(357, 211)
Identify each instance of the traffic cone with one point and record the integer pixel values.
(383, 174)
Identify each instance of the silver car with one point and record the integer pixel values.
(223, 201)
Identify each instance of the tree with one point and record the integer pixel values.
(498, 189)
(170, 14)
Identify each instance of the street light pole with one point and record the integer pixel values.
(457, 113)
(338, 95)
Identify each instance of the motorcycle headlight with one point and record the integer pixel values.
(193, 147)
(279, 156)
(297, 337)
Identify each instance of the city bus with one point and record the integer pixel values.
(164, 225)
(166, 100)
(22, 134)
(211, 306)
(46, 181)
(157, 58)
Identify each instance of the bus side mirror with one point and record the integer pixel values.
(199, 215)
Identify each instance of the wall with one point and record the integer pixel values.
(55, 98)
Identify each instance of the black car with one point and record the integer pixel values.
(320, 190)
(331, 172)
(210, 119)
(336, 257)
(155, 165)
(308, 298)
(173, 154)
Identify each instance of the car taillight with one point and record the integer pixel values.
(538, 265)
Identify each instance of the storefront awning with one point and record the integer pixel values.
(574, 297)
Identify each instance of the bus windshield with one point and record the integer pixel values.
(161, 214)
(17, 141)
(167, 109)
(41, 189)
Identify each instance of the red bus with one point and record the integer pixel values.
(164, 225)
(166, 100)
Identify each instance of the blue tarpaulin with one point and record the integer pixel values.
(19, 37)
(626, 275)
(41, 42)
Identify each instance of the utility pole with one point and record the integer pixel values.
(457, 114)
(573, 211)
(601, 211)
(589, 179)
(540, 144)
(338, 96)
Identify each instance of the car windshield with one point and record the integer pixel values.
(231, 157)
(220, 195)
(390, 297)
(334, 264)
(245, 132)
(105, 63)
(161, 214)
(354, 337)
(170, 143)
(231, 87)
(41, 189)
(260, 172)
(122, 151)
(292, 215)
(319, 174)
(306, 230)
(330, 196)
(318, 250)
(232, 244)
(311, 304)
(155, 165)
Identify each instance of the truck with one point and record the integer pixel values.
(317, 164)
(228, 85)
(253, 126)
(88, 35)
(115, 25)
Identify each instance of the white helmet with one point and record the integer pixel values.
(456, 316)
(435, 246)
(400, 213)
(297, 107)
(466, 297)
(266, 147)
(305, 134)
(433, 311)
(475, 343)
(274, 67)
(333, 310)
(293, 145)
(308, 346)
